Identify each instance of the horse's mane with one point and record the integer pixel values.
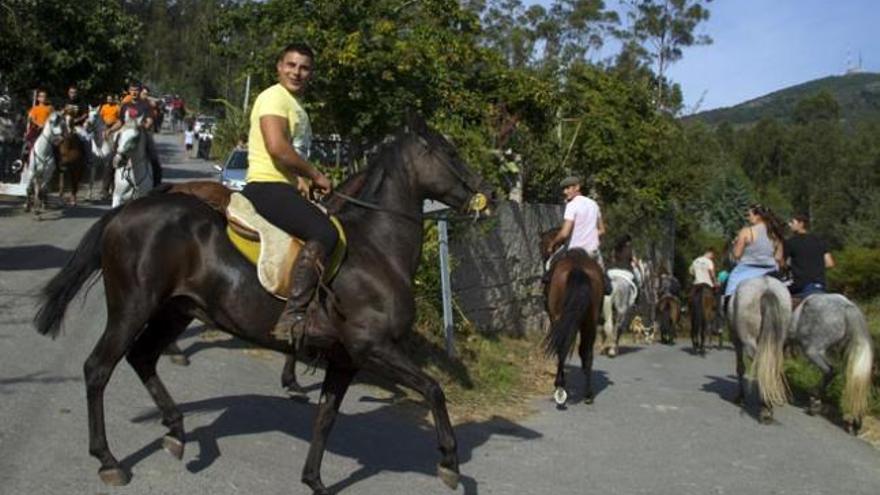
(366, 184)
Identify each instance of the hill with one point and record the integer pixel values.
(858, 95)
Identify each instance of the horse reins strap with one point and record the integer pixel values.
(375, 207)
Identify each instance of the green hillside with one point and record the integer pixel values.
(857, 94)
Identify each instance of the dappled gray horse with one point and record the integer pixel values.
(760, 311)
(823, 321)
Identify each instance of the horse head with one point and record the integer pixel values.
(93, 120)
(127, 141)
(547, 242)
(439, 173)
(55, 128)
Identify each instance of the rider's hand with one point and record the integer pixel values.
(322, 183)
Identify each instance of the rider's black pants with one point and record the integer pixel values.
(283, 206)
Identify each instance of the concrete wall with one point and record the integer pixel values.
(497, 268)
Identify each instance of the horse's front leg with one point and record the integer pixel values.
(389, 361)
(336, 382)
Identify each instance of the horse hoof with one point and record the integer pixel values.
(114, 476)
(815, 407)
(449, 477)
(179, 359)
(766, 416)
(612, 352)
(173, 446)
(588, 399)
(560, 396)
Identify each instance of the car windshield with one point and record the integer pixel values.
(237, 161)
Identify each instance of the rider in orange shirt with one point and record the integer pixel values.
(37, 116)
(109, 111)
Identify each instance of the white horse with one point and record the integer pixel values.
(41, 162)
(133, 175)
(101, 150)
(824, 321)
(619, 306)
(760, 312)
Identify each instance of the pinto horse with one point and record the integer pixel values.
(166, 260)
(573, 299)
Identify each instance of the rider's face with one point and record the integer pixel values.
(71, 93)
(41, 97)
(571, 191)
(294, 71)
(133, 91)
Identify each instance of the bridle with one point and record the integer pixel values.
(476, 204)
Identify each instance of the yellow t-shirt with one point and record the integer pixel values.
(276, 100)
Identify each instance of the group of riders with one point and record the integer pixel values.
(135, 105)
(759, 249)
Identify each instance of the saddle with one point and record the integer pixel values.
(272, 250)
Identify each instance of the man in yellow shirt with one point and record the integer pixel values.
(278, 149)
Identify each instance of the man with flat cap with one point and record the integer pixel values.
(582, 224)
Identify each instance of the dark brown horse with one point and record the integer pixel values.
(702, 307)
(166, 260)
(668, 316)
(573, 299)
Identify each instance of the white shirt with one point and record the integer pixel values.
(188, 137)
(701, 269)
(584, 212)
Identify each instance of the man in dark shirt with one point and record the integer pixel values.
(74, 106)
(807, 256)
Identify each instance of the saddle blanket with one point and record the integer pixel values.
(271, 249)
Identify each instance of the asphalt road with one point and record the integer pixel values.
(662, 422)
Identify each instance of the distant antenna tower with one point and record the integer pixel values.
(851, 66)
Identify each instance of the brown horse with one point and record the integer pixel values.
(573, 300)
(71, 155)
(668, 316)
(702, 307)
(166, 260)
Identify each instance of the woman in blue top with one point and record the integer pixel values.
(757, 248)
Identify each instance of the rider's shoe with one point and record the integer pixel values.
(303, 281)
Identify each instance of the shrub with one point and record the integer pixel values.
(857, 273)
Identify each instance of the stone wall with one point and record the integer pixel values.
(497, 268)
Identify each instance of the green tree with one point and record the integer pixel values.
(664, 28)
(55, 43)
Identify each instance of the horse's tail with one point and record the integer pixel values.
(858, 364)
(767, 366)
(64, 286)
(575, 309)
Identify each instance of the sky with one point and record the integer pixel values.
(761, 46)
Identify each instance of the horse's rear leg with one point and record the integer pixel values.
(118, 337)
(390, 362)
(288, 376)
(740, 372)
(176, 355)
(336, 382)
(162, 329)
(585, 349)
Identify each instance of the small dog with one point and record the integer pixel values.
(642, 332)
